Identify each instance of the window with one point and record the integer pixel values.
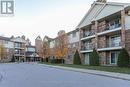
(115, 24)
(115, 41)
(31, 49)
(74, 34)
(6, 42)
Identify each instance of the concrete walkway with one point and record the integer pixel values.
(95, 72)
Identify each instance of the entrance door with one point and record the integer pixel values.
(87, 55)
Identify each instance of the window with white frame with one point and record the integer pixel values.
(115, 41)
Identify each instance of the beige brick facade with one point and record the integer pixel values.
(102, 58)
(128, 41)
(102, 42)
(111, 33)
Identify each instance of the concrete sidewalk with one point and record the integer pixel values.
(95, 72)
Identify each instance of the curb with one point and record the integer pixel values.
(95, 72)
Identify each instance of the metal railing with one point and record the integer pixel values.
(112, 27)
(87, 34)
(88, 47)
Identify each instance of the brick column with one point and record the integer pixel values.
(80, 36)
(96, 31)
(80, 44)
(123, 28)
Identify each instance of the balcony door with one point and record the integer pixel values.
(87, 56)
(114, 57)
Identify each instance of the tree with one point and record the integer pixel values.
(46, 50)
(61, 46)
(123, 58)
(77, 60)
(2, 51)
(94, 58)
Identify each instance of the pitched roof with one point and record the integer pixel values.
(76, 30)
(18, 39)
(99, 10)
(4, 38)
(47, 38)
(38, 38)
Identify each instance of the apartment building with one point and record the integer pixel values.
(72, 40)
(19, 48)
(31, 54)
(106, 27)
(73, 44)
(38, 44)
(6, 49)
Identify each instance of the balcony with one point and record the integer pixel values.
(88, 35)
(111, 46)
(87, 48)
(19, 54)
(110, 27)
(19, 47)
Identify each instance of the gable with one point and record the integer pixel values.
(90, 15)
(19, 40)
(100, 10)
(108, 10)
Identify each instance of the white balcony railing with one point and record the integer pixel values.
(87, 34)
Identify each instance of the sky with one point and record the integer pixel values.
(45, 17)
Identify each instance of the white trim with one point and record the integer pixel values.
(104, 4)
(89, 37)
(109, 31)
(99, 11)
(86, 15)
(110, 48)
(103, 49)
(86, 51)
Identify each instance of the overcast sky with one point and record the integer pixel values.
(45, 17)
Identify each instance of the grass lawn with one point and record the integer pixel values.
(101, 68)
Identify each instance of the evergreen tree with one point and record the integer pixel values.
(13, 59)
(123, 58)
(94, 58)
(77, 60)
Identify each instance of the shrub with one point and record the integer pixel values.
(77, 60)
(42, 60)
(94, 58)
(123, 58)
(13, 59)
